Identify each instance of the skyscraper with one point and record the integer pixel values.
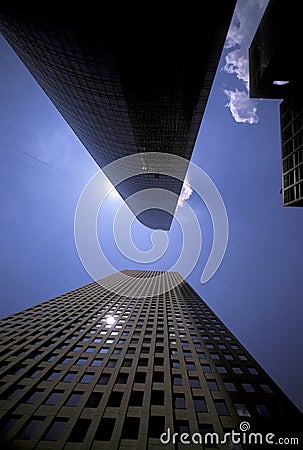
(96, 369)
(275, 72)
(126, 81)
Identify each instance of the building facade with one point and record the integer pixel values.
(125, 80)
(276, 72)
(91, 369)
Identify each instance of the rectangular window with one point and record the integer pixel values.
(31, 428)
(87, 378)
(69, 377)
(221, 369)
(54, 398)
(94, 400)
(136, 398)
(230, 387)
(237, 370)
(34, 395)
(79, 431)
(156, 426)
(206, 368)
(212, 385)
(157, 397)
(241, 409)
(105, 429)
(199, 404)
(248, 387)
(74, 399)
(104, 379)
(53, 375)
(140, 377)
(115, 399)
(130, 428)
(122, 378)
(55, 430)
(194, 382)
(179, 401)
(221, 407)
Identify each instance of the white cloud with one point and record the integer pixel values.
(242, 108)
(243, 27)
(186, 192)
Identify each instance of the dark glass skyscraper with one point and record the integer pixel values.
(275, 72)
(126, 81)
(94, 369)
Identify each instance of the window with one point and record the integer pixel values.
(87, 378)
(221, 369)
(90, 349)
(230, 387)
(266, 388)
(74, 398)
(105, 429)
(54, 398)
(122, 378)
(140, 377)
(31, 428)
(194, 382)
(104, 379)
(179, 401)
(248, 387)
(199, 404)
(34, 395)
(66, 360)
(111, 363)
(130, 428)
(55, 430)
(143, 362)
(157, 397)
(69, 377)
(103, 350)
(159, 361)
(96, 362)
(237, 370)
(7, 424)
(136, 398)
(115, 399)
(158, 377)
(190, 366)
(94, 400)
(53, 375)
(212, 385)
(182, 426)
(253, 371)
(79, 431)
(241, 409)
(81, 361)
(177, 380)
(206, 368)
(175, 364)
(156, 426)
(214, 355)
(221, 407)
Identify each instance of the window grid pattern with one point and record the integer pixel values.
(152, 366)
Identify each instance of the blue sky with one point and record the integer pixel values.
(257, 290)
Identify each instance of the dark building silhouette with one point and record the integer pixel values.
(125, 81)
(276, 72)
(96, 369)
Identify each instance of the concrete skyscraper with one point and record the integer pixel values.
(125, 80)
(94, 369)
